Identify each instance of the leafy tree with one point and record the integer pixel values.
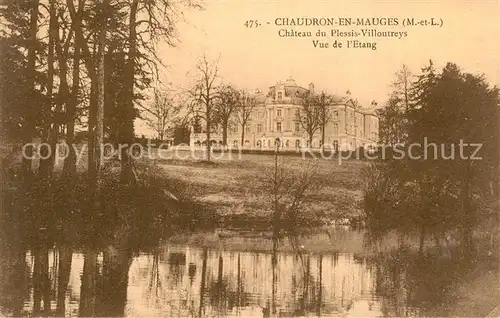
(227, 102)
(456, 109)
(394, 117)
(452, 116)
(392, 122)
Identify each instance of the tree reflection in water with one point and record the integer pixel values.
(283, 280)
(425, 283)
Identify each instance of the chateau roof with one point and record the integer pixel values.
(368, 111)
(336, 98)
(290, 82)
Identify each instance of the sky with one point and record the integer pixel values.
(258, 58)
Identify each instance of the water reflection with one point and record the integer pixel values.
(189, 280)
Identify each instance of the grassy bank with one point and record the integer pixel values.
(231, 191)
(238, 188)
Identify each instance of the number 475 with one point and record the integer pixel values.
(252, 23)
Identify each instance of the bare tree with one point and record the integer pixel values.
(288, 187)
(245, 109)
(309, 117)
(324, 101)
(204, 95)
(161, 113)
(402, 86)
(226, 104)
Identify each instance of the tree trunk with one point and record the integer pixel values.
(63, 95)
(46, 153)
(70, 161)
(224, 133)
(274, 265)
(323, 137)
(127, 134)
(91, 130)
(29, 128)
(242, 135)
(99, 127)
(208, 140)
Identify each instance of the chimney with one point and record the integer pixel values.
(311, 88)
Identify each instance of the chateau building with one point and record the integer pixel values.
(276, 118)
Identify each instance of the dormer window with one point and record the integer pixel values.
(280, 95)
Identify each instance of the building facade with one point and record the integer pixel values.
(276, 118)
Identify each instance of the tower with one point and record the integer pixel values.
(311, 88)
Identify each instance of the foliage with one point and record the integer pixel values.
(440, 186)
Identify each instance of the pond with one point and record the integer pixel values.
(330, 272)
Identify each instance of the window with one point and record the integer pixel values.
(259, 128)
(279, 113)
(335, 114)
(278, 126)
(280, 95)
(335, 128)
(297, 113)
(297, 143)
(297, 126)
(248, 128)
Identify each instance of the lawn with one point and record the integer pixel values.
(240, 185)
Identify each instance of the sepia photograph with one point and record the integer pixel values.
(249, 158)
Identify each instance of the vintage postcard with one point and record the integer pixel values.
(249, 158)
